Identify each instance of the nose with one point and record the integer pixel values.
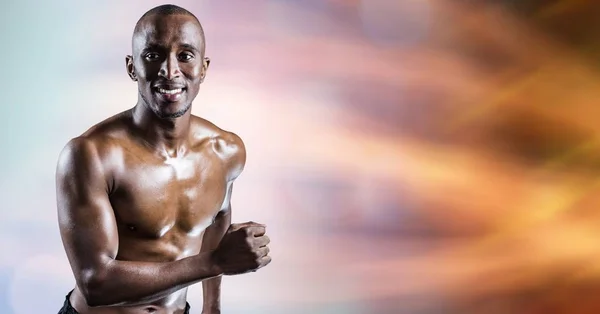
(169, 69)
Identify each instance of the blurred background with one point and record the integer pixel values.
(407, 156)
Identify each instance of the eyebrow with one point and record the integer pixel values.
(151, 47)
(190, 47)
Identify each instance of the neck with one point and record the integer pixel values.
(169, 137)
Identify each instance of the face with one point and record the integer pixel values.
(168, 63)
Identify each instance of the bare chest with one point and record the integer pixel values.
(153, 197)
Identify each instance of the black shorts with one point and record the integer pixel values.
(68, 308)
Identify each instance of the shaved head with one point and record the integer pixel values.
(163, 11)
(167, 9)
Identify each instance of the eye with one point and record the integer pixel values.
(152, 56)
(186, 56)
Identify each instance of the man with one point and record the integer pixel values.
(144, 196)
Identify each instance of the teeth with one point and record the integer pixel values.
(170, 91)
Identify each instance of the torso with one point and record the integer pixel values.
(162, 205)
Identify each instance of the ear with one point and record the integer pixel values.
(130, 68)
(205, 64)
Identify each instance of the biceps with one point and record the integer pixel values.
(86, 220)
(88, 231)
(217, 229)
(89, 226)
(226, 206)
(223, 218)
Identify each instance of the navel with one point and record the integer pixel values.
(131, 227)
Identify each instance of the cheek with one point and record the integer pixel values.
(194, 73)
(146, 71)
(145, 79)
(189, 73)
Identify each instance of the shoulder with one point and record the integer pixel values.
(86, 151)
(79, 162)
(228, 146)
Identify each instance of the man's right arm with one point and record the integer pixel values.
(89, 233)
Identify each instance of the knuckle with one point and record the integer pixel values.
(266, 261)
(249, 242)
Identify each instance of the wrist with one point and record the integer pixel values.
(210, 266)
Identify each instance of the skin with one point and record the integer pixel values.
(144, 197)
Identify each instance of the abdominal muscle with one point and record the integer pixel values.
(169, 248)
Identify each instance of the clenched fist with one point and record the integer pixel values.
(242, 249)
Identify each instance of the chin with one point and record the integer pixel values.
(173, 113)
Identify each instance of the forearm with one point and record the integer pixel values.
(211, 288)
(130, 283)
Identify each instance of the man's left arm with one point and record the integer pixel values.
(211, 288)
(234, 153)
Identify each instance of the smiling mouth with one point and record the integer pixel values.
(170, 91)
(170, 94)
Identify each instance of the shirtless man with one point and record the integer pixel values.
(144, 196)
